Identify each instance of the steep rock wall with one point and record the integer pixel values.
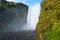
(13, 18)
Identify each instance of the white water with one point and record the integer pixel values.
(33, 15)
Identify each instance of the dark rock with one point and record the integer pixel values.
(22, 35)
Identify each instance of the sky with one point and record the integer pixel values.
(27, 2)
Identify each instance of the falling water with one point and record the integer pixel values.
(32, 17)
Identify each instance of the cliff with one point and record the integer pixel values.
(13, 16)
(48, 26)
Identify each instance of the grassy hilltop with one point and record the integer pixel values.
(6, 4)
(48, 26)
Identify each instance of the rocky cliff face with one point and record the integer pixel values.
(13, 18)
(49, 21)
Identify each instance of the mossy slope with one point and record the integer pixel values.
(48, 26)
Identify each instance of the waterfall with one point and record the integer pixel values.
(33, 14)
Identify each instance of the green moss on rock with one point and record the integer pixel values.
(48, 26)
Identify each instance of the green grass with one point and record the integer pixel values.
(48, 26)
(53, 33)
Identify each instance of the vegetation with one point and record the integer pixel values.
(48, 26)
(6, 4)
